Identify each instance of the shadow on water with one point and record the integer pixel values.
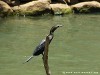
(75, 47)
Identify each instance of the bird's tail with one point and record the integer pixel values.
(28, 59)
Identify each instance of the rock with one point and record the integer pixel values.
(88, 0)
(5, 9)
(59, 9)
(12, 2)
(32, 8)
(25, 0)
(85, 7)
(72, 1)
(66, 1)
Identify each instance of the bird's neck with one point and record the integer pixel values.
(51, 32)
(50, 37)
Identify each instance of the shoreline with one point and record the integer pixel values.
(35, 8)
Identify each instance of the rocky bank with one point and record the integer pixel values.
(54, 7)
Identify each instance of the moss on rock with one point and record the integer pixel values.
(59, 9)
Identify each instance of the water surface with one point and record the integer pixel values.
(75, 47)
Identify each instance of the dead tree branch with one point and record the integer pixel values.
(45, 56)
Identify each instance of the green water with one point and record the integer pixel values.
(75, 47)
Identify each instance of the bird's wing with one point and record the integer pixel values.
(40, 48)
(42, 41)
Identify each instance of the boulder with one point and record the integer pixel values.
(66, 1)
(12, 2)
(32, 8)
(25, 0)
(49, 1)
(72, 1)
(86, 7)
(5, 9)
(59, 9)
(88, 0)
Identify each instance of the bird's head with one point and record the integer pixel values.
(54, 28)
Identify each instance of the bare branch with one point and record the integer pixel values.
(45, 56)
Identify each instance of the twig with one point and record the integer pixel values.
(45, 57)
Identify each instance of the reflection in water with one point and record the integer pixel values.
(76, 46)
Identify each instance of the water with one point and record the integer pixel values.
(75, 47)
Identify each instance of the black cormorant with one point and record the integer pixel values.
(40, 48)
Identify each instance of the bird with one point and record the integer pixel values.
(40, 48)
